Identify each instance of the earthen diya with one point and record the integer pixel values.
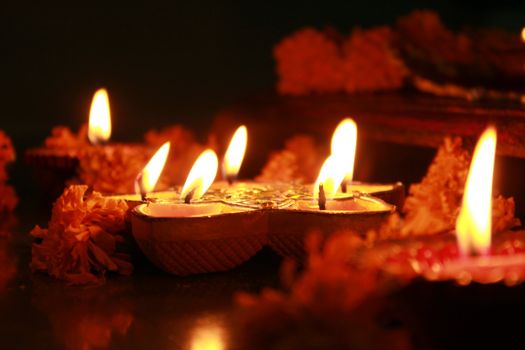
(209, 236)
(207, 228)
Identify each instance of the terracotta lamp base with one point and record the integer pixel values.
(185, 239)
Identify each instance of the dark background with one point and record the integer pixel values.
(174, 63)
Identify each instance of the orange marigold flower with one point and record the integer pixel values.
(432, 206)
(425, 35)
(7, 154)
(308, 61)
(112, 169)
(80, 244)
(8, 197)
(63, 138)
(298, 161)
(371, 62)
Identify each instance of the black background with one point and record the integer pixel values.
(179, 62)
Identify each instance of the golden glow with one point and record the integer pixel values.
(473, 226)
(99, 118)
(344, 143)
(201, 175)
(208, 337)
(523, 35)
(148, 178)
(235, 153)
(331, 175)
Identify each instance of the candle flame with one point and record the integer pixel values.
(149, 176)
(343, 146)
(523, 34)
(331, 176)
(201, 175)
(235, 153)
(473, 226)
(99, 130)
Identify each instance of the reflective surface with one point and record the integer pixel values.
(149, 309)
(154, 310)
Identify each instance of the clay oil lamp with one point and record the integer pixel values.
(62, 150)
(89, 156)
(57, 161)
(194, 235)
(478, 259)
(325, 211)
(215, 227)
(471, 254)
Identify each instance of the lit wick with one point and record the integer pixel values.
(140, 184)
(230, 179)
(343, 186)
(322, 198)
(189, 196)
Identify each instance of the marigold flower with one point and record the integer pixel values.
(82, 238)
(371, 62)
(308, 61)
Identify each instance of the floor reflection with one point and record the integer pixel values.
(84, 319)
(208, 334)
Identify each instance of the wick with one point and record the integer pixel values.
(343, 186)
(230, 180)
(189, 196)
(322, 198)
(140, 185)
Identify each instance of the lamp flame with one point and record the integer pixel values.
(99, 130)
(235, 154)
(331, 175)
(201, 176)
(474, 223)
(523, 34)
(343, 146)
(147, 179)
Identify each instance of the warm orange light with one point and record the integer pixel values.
(343, 147)
(149, 176)
(523, 35)
(208, 337)
(201, 175)
(473, 226)
(235, 153)
(331, 175)
(99, 130)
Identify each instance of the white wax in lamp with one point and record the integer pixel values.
(360, 204)
(162, 195)
(179, 210)
(355, 186)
